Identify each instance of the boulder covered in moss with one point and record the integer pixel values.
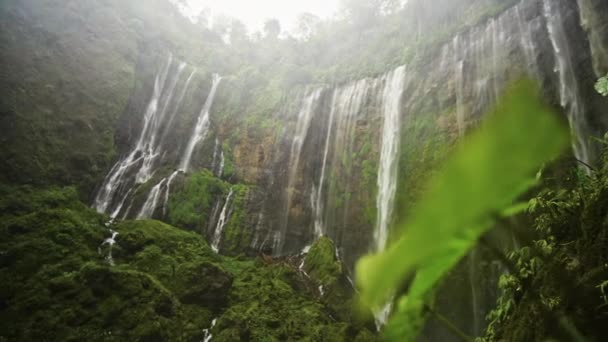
(335, 290)
(321, 262)
(204, 284)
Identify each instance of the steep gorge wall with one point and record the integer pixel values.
(451, 87)
(70, 70)
(279, 166)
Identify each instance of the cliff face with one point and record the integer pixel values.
(329, 137)
(71, 72)
(122, 101)
(303, 161)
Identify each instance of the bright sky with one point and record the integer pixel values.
(254, 13)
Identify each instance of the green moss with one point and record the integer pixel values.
(427, 140)
(55, 285)
(321, 263)
(167, 284)
(237, 236)
(192, 200)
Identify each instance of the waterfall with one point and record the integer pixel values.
(110, 242)
(389, 155)
(202, 125)
(168, 191)
(151, 203)
(199, 134)
(221, 223)
(137, 166)
(176, 108)
(593, 18)
(318, 198)
(569, 94)
(207, 332)
(148, 142)
(526, 35)
(217, 166)
(346, 106)
(301, 131)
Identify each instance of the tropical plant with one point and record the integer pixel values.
(479, 184)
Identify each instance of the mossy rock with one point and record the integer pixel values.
(167, 284)
(321, 262)
(204, 284)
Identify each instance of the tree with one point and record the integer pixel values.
(272, 28)
(238, 33)
(306, 25)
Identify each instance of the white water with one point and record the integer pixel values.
(115, 177)
(569, 93)
(168, 191)
(318, 194)
(148, 144)
(202, 125)
(346, 106)
(137, 166)
(301, 132)
(217, 166)
(389, 155)
(147, 210)
(392, 95)
(110, 242)
(176, 108)
(258, 227)
(207, 332)
(221, 223)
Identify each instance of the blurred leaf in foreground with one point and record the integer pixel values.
(481, 181)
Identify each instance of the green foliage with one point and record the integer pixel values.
(237, 235)
(191, 201)
(424, 147)
(482, 179)
(602, 86)
(321, 262)
(561, 272)
(167, 284)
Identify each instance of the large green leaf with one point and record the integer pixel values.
(481, 181)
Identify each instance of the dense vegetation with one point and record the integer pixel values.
(163, 283)
(75, 77)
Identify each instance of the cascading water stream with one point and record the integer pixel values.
(199, 134)
(221, 223)
(389, 155)
(207, 335)
(117, 175)
(202, 126)
(318, 194)
(346, 106)
(168, 191)
(149, 146)
(301, 131)
(151, 203)
(392, 95)
(569, 94)
(169, 123)
(139, 164)
(110, 242)
(217, 166)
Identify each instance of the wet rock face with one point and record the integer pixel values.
(452, 85)
(316, 169)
